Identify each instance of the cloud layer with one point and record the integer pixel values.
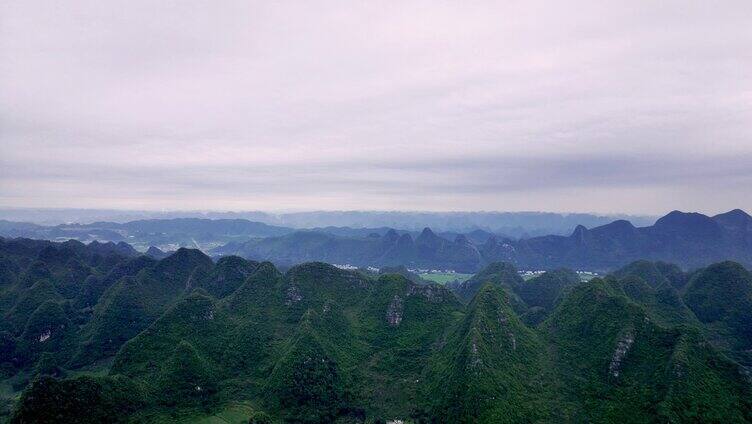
(636, 108)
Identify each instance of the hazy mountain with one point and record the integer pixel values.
(687, 239)
(169, 233)
(514, 224)
(156, 253)
(427, 250)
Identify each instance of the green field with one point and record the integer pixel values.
(232, 413)
(445, 277)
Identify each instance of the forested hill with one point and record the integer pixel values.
(100, 334)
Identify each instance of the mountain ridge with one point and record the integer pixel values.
(688, 239)
(187, 336)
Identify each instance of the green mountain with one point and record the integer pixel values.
(490, 367)
(79, 400)
(621, 366)
(95, 335)
(533, 299)
(499, 273)
(259, 339)
(721, 298)
(309, 382)
(656, 274)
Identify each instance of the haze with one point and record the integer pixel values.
(631, 107)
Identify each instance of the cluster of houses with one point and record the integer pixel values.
(523, 273)
(432, 271)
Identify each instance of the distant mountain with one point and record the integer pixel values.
(156, 253)
(689, 240)
(513, 224)
(169, 233)
(428, 250)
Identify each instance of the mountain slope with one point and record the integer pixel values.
(499, 273)
(634, 370)
(721, 297)
(489, 368)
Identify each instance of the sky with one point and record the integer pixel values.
(635, 107)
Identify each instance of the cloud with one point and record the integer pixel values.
(638, 108)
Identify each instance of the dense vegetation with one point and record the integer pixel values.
(97, 333)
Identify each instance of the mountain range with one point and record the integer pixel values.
(427, 250)
(514, 224)
(688, 239)
(100, 333)
(174, 233)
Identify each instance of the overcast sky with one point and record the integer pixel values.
(629, 106)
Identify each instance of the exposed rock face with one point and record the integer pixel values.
(503, 320)
(475, 360)
(432, 293)
(292, 295)
(394, 311)
(513, 340)
(194, 276)
(622, 347)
